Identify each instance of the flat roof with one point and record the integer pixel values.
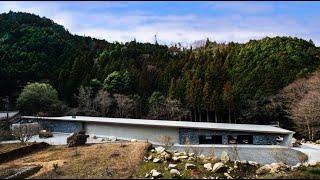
(176, 124)
(3, 114)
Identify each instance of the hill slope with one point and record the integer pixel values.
(216, 82)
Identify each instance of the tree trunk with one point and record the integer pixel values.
(200, 118)
(207, 116)
(234, 117)
(309, 130)
(229, 115)
(215, 117)
(195, 115)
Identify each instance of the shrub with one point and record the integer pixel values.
(38, 97)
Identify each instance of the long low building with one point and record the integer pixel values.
(180, 132)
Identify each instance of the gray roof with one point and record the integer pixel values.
(177, 124)
(3, 115)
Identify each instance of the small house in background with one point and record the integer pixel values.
(180, 132)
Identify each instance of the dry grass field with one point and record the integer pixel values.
(109, 160)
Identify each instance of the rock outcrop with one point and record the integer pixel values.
(77, 139)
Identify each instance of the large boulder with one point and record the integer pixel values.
(155, 174)
(208, 166)
(218, 167)
(160, 149)
(190, 166)
(278, 167)
(272, 168)
(172, 166)
(77, 139)
(318, 141)
(156, 160)
(174, 173)
(45, 134)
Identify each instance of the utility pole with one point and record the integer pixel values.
(155, 39)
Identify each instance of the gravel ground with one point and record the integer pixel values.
(57, 139)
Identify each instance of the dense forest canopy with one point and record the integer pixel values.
(217, 82)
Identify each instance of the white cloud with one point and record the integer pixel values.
(238, 25)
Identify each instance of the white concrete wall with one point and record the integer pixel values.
(150, 133)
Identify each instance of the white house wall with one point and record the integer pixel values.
(121, 131)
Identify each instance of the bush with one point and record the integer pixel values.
(39, 97)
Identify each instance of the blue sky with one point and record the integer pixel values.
(183, 22)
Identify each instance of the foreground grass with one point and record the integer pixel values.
(110, 160)
(302, 173)
(9, 147)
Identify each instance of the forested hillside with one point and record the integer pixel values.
(217, 82)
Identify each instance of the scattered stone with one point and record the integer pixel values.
(172, 166)
(183, 157)
(183, 153)
(318, 141)
(244, 162)
(150, 158)
(147, 175)
(160, 149)
(190, 166)
(175, 158)
(191, 154)
(191, 159)
(252, 163)
(296, 166)
(202, 156)
(218, 167)
(156, 160)
(177, 154)
(228, 176)
(154, 173)
(174, 173)
(165, 155)
(303, 140)
(152, 150)
(77, 139)
(133, 140)
(264, 169)
(113, 138)
(312, 164)
(208, 166)
(225, 157)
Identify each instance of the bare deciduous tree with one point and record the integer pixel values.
(104, 103)
(306, 113)
(167, 141)
(25, 131)
(126, 106)
(301, 102)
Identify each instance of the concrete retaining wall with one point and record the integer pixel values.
(259, 153)
(150, 133)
